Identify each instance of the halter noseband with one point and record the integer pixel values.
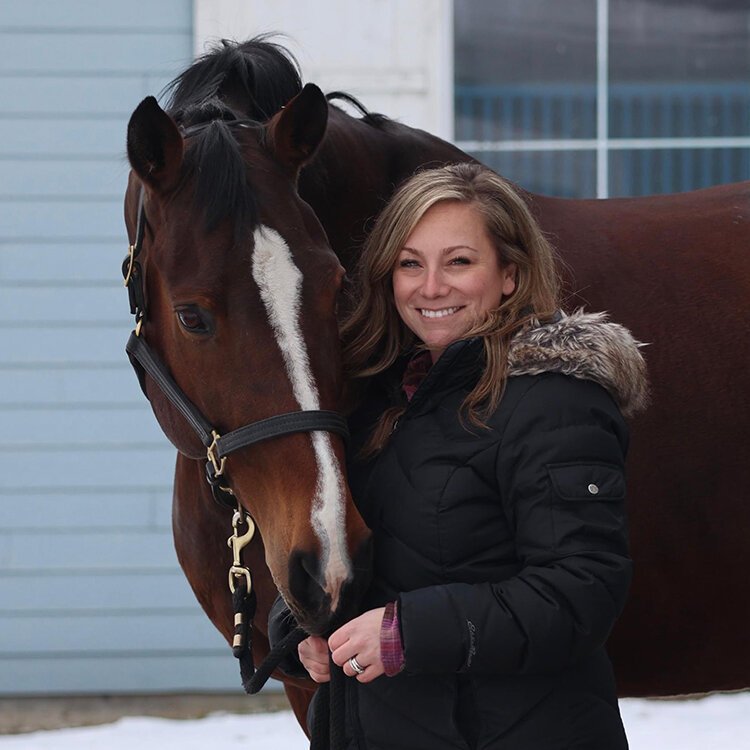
(218, 447)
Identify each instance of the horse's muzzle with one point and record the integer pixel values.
(312, 604)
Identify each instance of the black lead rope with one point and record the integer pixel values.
(242, 645)
(327, 731)
(336, 707)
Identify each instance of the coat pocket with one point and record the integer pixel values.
(587, 481)
(588, 511)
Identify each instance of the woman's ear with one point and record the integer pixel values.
(509, 272)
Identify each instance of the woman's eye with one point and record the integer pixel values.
(460, 261)
(408, 263)
(192, 320)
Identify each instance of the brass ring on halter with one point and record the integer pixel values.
(356, 666)
(131, 256)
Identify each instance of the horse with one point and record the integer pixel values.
(234, 288)
(674, 269)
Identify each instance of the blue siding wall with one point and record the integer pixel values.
(91, 597)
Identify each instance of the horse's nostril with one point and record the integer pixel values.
(304, 580)
(310, 565)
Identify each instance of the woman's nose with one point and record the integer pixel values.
(433, 284)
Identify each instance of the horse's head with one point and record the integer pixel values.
(241, 286)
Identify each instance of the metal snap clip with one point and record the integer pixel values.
(593, 489)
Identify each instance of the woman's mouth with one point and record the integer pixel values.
(441, 313)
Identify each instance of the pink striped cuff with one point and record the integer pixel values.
(391, 648)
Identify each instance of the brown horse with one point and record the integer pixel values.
(674, 269)
(240, 290)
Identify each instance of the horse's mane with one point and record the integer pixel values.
(374, 119)
(264, 75)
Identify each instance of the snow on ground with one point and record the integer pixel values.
(718, 722)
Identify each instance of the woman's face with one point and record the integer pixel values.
(448, 275)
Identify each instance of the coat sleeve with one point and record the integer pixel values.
(560, 478)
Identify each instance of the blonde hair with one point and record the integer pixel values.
(374, 335)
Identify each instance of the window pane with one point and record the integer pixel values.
(679, 69)
(525, 69)
(566, 174)
(646, 172)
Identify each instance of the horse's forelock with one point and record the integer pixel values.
(215, 163)
(250, 80)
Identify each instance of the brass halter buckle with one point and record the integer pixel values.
(213, 458)
(238, 542)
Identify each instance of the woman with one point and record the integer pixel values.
(488, 459)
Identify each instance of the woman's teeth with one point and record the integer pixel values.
(438, 313)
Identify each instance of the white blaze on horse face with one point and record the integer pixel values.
(280, 284)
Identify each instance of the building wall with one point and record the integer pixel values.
(91, 596)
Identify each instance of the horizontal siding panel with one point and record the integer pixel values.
(42, 389)
(132, 673)
(105, 304)
(63, 138)
(85, 511)
(66, 178)
(116, 549)
(99, 52)
(74, 263)
(135, 15)
(105, 344)
(35, 470)
(96, 594)
(40, 220)
(105, 97)
(144, 633)
(90, 508)
(82, 427)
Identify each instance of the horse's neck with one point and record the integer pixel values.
(357, 169)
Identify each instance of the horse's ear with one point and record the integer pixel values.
(295, 133)
(155, 146)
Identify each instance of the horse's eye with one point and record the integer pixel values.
(193, 320)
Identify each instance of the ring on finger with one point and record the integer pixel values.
(356, 666)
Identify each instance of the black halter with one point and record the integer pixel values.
(218, 447)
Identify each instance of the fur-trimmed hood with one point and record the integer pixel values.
(586, 346)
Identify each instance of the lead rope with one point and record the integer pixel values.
(242, 645)
(327, 732)
(336, 707)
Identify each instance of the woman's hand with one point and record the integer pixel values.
(313, 653)
(359, 638)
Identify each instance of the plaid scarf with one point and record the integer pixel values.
(415, 372)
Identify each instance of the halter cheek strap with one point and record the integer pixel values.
(133, 273)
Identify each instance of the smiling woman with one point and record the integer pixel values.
(488, 450)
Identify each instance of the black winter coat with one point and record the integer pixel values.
(505, 547)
